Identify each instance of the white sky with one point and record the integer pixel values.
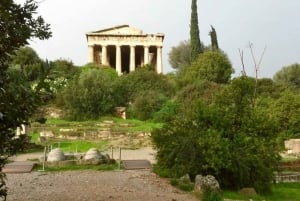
(265, 23)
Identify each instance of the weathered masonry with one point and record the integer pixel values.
(125, 48)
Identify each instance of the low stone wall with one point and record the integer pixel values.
(287, 178)
(290, 166)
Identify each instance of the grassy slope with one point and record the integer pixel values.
(281, 192)
(119, 125)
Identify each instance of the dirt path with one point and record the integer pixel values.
(133, 185)
(141, 185)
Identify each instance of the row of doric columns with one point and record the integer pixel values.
(132, 64)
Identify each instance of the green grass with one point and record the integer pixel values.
(280, 192)
(79, 145)
(130, 126)
(134, 125)
(34, 137)
(102, 167)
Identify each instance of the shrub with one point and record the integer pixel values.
(211, 195)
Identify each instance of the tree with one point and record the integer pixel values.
(18, 23)
(63, 68)
(214, 39)
(146, 104)
(196, 48)
(28, 61)
(228, 138)
(127, 87)
(286, 112)
(180, 55)
(212, 66)
(90, 94)
(289, 76)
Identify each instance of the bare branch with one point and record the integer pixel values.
(242, 61)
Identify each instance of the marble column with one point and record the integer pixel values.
(146, 55)
(132, 59)
(104, 55)
(159, 60)
(118, 60)
(91, 54)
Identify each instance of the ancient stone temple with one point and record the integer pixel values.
(125, 48)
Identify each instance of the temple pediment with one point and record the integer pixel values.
(119, 30)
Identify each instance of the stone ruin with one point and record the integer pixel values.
(92, 156)
(93, 153)
(292, 146)
(203, 182)
(55, 155)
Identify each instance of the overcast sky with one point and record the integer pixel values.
(265, 23)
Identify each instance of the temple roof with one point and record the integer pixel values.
(118, 30)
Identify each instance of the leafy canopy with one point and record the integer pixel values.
(211, 66)
(226, 137)
(18, 23)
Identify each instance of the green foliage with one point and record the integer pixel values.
(26, 59)
(167, 112)
(226, 137)
(184, 185)
(19, 23)
(162, 172)
(101, 167)
(144, 79)
(267, 88)
(180, 55)
(146, 104)
(211, 195)
(286, 112)
(203, 90)
(90, 94)
(79, 145)
(212, 66)
(214, 39)
(63, 68)
(196, 48)
(282, 191)
(289, 76)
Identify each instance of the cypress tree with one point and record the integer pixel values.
(214, 39)
(194, 33)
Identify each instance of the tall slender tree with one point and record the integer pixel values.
(196, 48)
(214, 39)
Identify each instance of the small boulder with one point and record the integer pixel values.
(55, 155)
(203, 182)
(93, 154)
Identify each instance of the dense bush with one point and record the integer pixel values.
(90, 94)
(228, 138)
(145, 104)
(212, 66)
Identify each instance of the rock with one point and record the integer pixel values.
(46, 134)
(93, 153)
(209, 181)
(55, 155)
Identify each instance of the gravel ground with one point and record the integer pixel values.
(132, 185)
